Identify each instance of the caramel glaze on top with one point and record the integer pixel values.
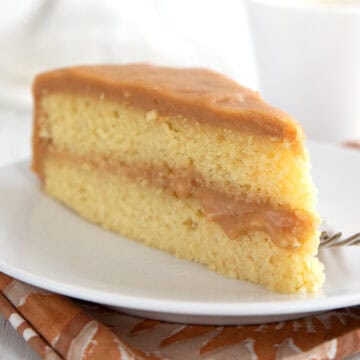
(197, 94)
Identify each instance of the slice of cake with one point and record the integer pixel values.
(184, 160)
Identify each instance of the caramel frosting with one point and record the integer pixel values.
(233, 213)
(197, 94)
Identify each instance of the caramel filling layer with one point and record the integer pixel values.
(285, 227)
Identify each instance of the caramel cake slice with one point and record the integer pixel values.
(186, 161)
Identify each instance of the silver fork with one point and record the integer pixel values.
(336, 240)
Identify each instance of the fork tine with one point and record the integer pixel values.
(324, 235)
(330, 240)
(352, 240)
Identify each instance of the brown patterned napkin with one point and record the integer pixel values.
(59, 328)
(352, 144)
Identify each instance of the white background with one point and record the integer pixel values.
(209, 33)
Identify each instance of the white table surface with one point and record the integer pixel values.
(15, 135)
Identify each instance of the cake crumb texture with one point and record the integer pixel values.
(251, 165)
(135, 210)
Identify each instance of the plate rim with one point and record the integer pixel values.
(182, 307)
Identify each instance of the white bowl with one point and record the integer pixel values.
(308, 56)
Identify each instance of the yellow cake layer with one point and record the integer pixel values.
(260, 167)
(158, 219)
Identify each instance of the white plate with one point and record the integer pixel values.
(45, 244)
